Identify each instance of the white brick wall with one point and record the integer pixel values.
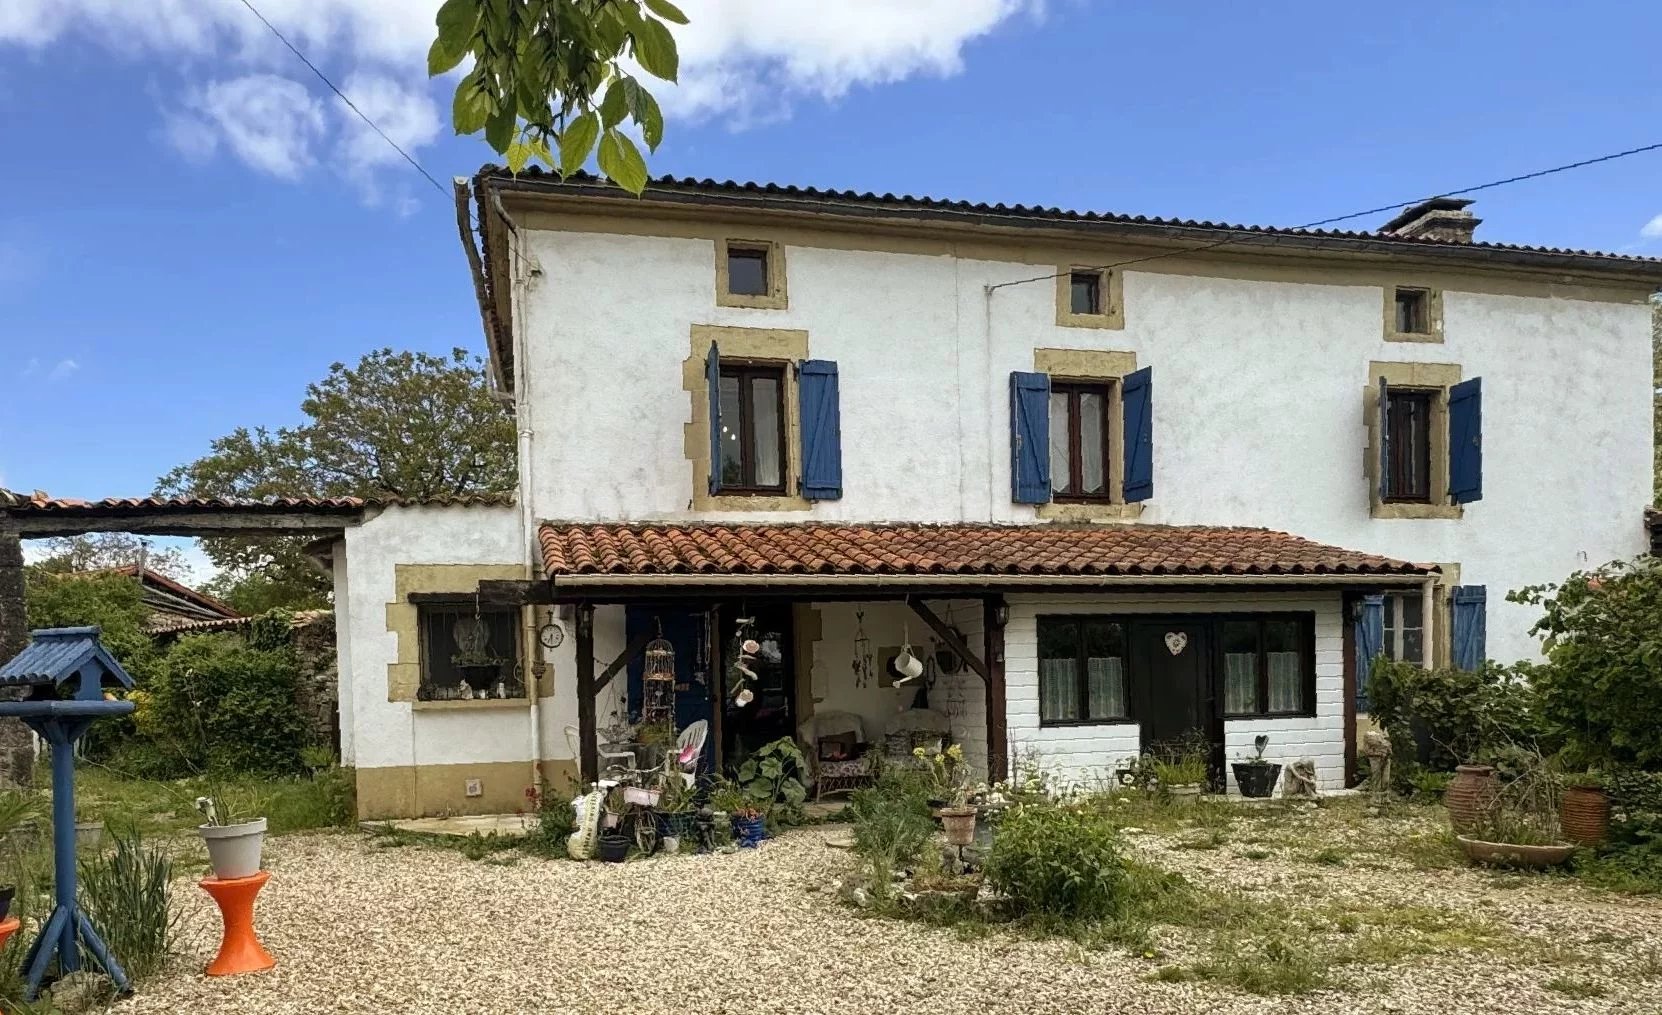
(1090, 753)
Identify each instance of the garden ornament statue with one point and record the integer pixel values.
(1300, 781)
(72, 660)
(1376, 747)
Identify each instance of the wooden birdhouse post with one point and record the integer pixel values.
(65, 671)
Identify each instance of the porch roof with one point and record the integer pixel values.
(715, 553)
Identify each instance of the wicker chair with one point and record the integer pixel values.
(835, 776)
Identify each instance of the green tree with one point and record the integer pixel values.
(112, 602)
(406, 425)
(1656, 395)
(101, 551)
(549, 80)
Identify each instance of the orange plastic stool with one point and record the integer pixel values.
(8, 927)
(240, 951)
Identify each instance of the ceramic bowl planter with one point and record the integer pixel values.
(234, 850)
(1510, 854)
(1256, 779)
(1584, 815)
(613, 847)
(1471, 794)
(1187, 791)
(959, 823)
(640, 795)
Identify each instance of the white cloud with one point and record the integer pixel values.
(1653, 229)
(62, 369)
(744, 61)
(272, 123)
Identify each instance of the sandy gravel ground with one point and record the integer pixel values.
(359, 928)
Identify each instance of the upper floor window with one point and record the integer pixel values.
(750, 273)
(1267, 668)
(469, 653)
(1413, 311)
(752, 435)
(1082, 670)
(1080, 464)
(1408, 444)
(1085, 292)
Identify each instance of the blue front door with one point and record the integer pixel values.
(685, 630)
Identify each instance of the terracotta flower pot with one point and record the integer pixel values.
(959, 823)
(1470, 795)
(1585, 815)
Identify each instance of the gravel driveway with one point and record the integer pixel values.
(415, 929)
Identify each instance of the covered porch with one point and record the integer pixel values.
(1159, 615)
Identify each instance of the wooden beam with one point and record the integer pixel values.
(516, 593)
(623, 659)
(588, 732)
(1347, 685)
(718, 687)
(952, 639)
(992, 639)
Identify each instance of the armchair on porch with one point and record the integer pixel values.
(835, 745)
(914, 728)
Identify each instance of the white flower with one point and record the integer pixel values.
(743, 698)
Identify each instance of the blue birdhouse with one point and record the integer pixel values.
(72, 660)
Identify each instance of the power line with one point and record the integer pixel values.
(1537, 174)
(342, 96)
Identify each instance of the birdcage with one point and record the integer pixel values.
(658, 681)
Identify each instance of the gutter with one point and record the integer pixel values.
(807, 581)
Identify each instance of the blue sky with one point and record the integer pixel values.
(193, 230)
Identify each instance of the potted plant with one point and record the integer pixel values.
(676, 814)
(949, 783)
(772, 779)
(728, 805)
(234, 843)
(1256, 775)
(613, 805)
(1469, 796)
(1519, 827)
(1182, 777)
(612, 846)
(1584, 812)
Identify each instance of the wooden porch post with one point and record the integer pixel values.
(992, 634)
(1350, 602)
(588, 750)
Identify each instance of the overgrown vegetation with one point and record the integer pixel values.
(127, 893)
(1059, 861)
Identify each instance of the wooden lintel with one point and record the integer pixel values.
(949, 636)
(498, 592)
(624, 658)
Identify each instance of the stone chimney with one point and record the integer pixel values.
(1444, 219)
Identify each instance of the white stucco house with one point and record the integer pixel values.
(1118, 480)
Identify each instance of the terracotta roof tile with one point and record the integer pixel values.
(912, 550)
(39, 503)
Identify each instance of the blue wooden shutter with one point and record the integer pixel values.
(1384, 441)
(822, 430)
(1137, 394)
(1029, 437)
(1465, 441)
(1370, 643)
(1468, 627)
(712, 380)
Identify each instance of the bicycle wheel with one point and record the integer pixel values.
(645, 830)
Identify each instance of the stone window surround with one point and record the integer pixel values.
(1433, 312)
(1111, 287)
(1436, 378)
(759, 344)
(1094, 365)
(777, 296)
(404, 624)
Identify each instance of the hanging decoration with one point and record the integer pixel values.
(744, 672)
(658, 681)
(863, 669)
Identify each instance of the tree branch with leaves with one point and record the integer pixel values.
(554, 76)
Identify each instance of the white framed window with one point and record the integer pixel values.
(1405, 627)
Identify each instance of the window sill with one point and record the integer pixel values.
(1413, 510)
(1266, 716)
(1431, 337)
(469, 705)
(1063, 724)
(747, 301)
(1087, 511)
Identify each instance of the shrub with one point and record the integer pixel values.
(555, 820)
(1058, 862)
(1467, 715)
(218, 704)
(892, 826)
(1602, 686)
(127, 894)
(774, 780)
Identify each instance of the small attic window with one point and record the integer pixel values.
(1413, 311)
(1085, 292)
(747, 271)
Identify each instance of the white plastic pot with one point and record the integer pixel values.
(234, 850)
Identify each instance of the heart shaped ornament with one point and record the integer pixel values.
(1176, 642)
